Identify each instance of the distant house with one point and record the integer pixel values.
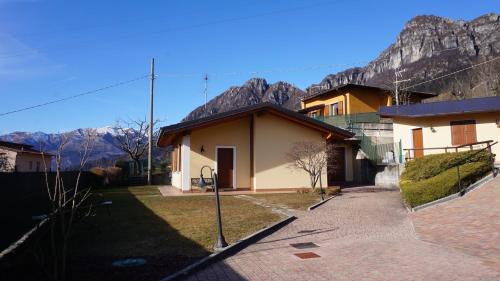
(247, 147)
(444, 125)
(351, 99)
(23, 158)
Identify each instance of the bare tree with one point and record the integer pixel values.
(460, 88)
(4, 163)
(311, 157)
(133, 139)
(65, 201)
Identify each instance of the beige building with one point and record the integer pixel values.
(446, 126)
(247, 148)
(23, 158)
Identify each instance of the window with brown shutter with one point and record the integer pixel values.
(463, 132)
(341, 107)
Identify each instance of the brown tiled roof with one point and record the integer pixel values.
(379, 89)
(21, 147)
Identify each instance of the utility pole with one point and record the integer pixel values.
(206, 93)
(398, 73)
(150, 135)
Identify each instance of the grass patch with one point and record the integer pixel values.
(433, 177)
(169, 232)
(299, 201)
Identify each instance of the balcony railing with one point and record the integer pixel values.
(347, 120)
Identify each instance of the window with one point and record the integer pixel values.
(38, 166)
(334, 109)
(31, 165)
(176, 158)
(463, 132)
(314, 114)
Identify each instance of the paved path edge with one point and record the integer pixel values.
(314, 206)
(229, 250)
(468, 189)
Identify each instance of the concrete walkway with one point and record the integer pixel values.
(364, 234)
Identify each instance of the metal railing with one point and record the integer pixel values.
(410, 152)
(462, 189)
(376, 153)
(347, 120)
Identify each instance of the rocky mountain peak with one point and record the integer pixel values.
(428, 46)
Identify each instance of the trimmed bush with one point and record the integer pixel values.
(328, 191)
(416, 193)
(432, 165)
(110, 176)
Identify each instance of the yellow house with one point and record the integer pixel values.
(446, 126)
(248, 148)
(352, 99)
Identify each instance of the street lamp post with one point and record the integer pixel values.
(221, 242)
(321, 185)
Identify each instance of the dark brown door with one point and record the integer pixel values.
(225, 167)
(418, 142)
(336, 166)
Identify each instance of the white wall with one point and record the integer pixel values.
(440, 134)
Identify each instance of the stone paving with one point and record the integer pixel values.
(470, 224)
(365, 234)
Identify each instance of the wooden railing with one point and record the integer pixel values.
(410, 156)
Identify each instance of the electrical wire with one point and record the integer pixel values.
(74, 96)
(450, 74)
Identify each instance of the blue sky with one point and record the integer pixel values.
(54, 49)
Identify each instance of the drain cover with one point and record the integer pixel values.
(129, 262)
(307, 255)
(304, 245)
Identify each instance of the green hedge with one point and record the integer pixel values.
(435, 176)
(416, 193)
(432, 165)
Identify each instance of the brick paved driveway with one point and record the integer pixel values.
(470, 224)
(362, 235)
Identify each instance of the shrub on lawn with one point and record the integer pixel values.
(431, 165)
(110, 176)
(328, 191)
(416, 193)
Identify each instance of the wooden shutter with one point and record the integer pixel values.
(174, 160)
(470, 132)
(327, 110)
(341, 107)
(463, 132)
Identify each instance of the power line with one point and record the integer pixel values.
(74, 96)
(452, 73)
(264, 71)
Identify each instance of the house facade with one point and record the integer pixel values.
(440, 127)
(248, 148)
(351, 99)
(23, 158)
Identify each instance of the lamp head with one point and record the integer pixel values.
(201, 182)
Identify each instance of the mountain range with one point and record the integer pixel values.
(104, 151)
(426, 48)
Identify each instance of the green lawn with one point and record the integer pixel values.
(300, 201)
(169, 232)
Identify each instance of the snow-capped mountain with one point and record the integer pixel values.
(105, 150)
